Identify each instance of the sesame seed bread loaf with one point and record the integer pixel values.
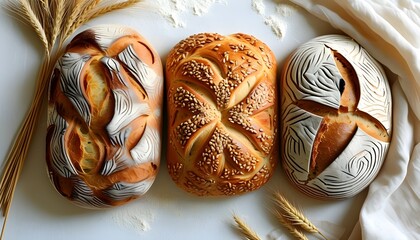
(336, 117)
(104, 118)
(222, 106)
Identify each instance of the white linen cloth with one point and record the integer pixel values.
(390, 31)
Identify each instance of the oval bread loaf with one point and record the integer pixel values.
(222, 106)
(104, 118)
(336, 117)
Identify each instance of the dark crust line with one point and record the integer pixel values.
(150, 51)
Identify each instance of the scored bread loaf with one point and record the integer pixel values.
(222, 106)
(104, 118)
(336, 117)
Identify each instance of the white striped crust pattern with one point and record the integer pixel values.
(335, 117)
(105, 118)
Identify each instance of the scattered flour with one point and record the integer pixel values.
(277, 25)
(258, 6)
(283, 9)
(172, 10)
(133, 218)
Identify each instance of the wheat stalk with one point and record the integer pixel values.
(45, 5)
(17, 155)
(29, 15)
(58, 19)
(47, 18)
(290, 227)
(245, 229)
(89, 11)
(81, 14)
(71, 19)
(294, 216)
(114, 7)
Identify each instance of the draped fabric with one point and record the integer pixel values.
(390, 31)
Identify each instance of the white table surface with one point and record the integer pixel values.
(165, 212)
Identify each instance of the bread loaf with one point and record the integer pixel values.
(336, 117)
(222, 106)
(104, 118)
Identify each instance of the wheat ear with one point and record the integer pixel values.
(31, 17)
(45, 5)
(294, 215)
(71, 19)
(289, 226)
(85, 12)
(245, 229)
(57, 21)
(115, 6)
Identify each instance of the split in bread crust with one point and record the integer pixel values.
(336, 117)
(339, 125)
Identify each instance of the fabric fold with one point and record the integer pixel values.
(390, 31)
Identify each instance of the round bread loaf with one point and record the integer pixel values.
(104, 118)
(336, 117)
(222, 106)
